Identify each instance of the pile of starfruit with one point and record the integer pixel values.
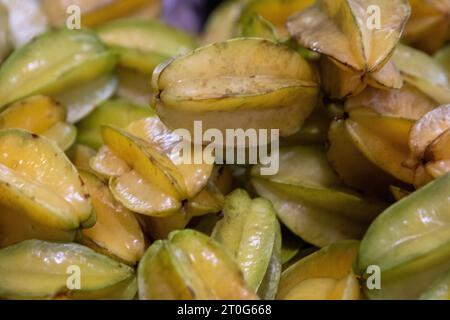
(100, 200)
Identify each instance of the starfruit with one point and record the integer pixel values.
(116, 231)
(423, 72)
(346, 22)
(409, 243)
(118, 113)
(148, 175)
(39, 185)
(97, 12)
(139, 56)
(143, 45)
(189, 177)
(189, 266)
(429, 27)
(43, 270)
(72, 66)
(324, 275)
(383, 140)
(250, 232)
(356, 43)
(241, 83)
(311, 200)
(40, 115)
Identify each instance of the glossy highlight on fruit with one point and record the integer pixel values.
(259, 84)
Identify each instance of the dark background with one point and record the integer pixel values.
(189, 15)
